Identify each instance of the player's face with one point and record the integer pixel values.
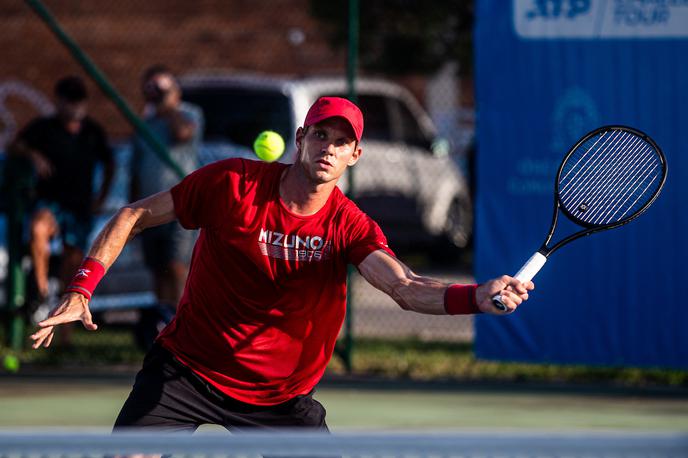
(326, 149)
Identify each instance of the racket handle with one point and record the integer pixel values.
(524, 274)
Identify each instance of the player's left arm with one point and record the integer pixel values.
(427, 295)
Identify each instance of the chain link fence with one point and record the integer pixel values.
(258, 65)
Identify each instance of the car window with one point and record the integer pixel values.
(376, 116)
(238, 115)
(409, 131)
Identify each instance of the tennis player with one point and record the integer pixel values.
(265, 297)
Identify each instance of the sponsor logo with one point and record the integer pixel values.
(602, 19)
(575, 114)
(83, 273)
(293, 247)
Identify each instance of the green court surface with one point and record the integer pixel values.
(94, 403)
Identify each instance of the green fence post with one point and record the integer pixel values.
(18, 182)
(346, 352)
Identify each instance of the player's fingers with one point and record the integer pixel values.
(53, 321)
(61, 315)
(49, 340)
(513, 297)
(39, 336)
(520, 287)
(41, 333)
(508, 303)
(87, 321)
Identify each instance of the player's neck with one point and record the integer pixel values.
(300, 195)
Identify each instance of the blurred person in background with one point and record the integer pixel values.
(266, 294)
(64, 149)
(167, 248)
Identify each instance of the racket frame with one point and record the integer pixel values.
(589, 228)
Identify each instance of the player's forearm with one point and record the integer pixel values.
(420, 294)
(127, 222)
(121, 228)
(414, 292)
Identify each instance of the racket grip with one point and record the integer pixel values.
(524, 274)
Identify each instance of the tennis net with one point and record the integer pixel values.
(292, 444)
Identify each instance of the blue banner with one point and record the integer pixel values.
(547, 72)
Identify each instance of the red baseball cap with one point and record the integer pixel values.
(329, 107)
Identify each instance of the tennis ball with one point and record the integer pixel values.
(11, 363)
(269, 146)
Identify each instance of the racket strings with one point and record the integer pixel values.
(594, 161)
(614, 177)
(574, 166)
(616, 190)
(633, 205)
(599, 175)
(596, 168)
(607, 210)
(608, 202)
(610, 177)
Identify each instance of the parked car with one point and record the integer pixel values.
(405, 179)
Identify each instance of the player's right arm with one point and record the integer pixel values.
(128, 221)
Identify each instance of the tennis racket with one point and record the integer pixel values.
(607, 179)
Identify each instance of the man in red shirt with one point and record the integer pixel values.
(266, 292)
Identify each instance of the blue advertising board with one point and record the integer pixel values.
(547, 72)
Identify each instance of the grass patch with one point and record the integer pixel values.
(407, 359)
(105, 347)
(417, 360)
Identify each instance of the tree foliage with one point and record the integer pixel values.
(404, 36)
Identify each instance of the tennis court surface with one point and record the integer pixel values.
(93, 402)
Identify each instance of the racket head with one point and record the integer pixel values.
(610, 177)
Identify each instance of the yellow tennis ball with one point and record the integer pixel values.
(11, 363)
(269, 146)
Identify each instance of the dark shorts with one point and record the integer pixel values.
(168, 396)
(75, 228)
(167, 243)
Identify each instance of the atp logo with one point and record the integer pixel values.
(83, 273)
(575, 113)
(555, 9)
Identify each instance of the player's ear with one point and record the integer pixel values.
(300, 133)
(356, 155)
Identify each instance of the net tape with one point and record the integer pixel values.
(294, 444)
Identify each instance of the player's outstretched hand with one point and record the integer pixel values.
(513, 294)
(72, 307)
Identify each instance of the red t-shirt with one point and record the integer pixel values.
(266, 293)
